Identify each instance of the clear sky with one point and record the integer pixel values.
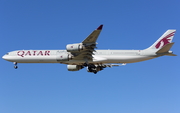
(147, 87)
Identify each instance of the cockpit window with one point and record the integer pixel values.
(7, 53)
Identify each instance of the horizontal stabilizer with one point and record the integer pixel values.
(166, 48)
(170, 54)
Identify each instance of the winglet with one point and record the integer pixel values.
(100, 27)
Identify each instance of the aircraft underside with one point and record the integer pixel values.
(109, 59)
(92, 66)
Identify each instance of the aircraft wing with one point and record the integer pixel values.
(89, 45)
(91, 39)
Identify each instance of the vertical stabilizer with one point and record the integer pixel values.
(165, 39)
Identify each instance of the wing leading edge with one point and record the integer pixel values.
(91, 39)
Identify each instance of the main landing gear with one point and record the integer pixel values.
(91, 68)
(15, 65)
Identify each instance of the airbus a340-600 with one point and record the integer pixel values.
(80, 55)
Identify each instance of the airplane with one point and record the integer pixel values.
(84, 54)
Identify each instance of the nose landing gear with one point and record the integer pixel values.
(15, 65)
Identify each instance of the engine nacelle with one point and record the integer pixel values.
(64, 57)
(74, 67)
(74, 47)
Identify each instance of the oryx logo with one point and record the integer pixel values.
(164, 41)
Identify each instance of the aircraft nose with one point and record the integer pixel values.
(8, 58)
(4, 57)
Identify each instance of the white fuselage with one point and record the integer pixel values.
(80, 55)
(100, 56)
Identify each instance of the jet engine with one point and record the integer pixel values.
(74, 67)
(74, 47)
(64, 57)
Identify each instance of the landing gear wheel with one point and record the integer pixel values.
(15, 63)
(85, 65)
(15, 67)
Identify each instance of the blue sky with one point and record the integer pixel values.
(146, 87)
